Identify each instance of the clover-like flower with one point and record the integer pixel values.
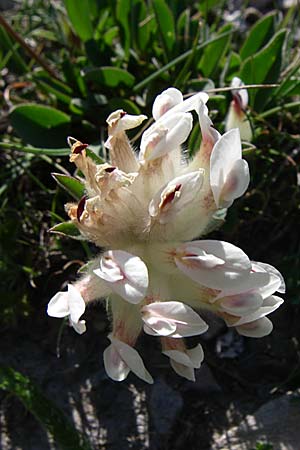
(147, 213)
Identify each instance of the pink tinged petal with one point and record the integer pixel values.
(256, 329)
(214, 264)
(239, 305)
(165, 101)
(79, 326)
(175, 196)
(269, 305)
(241, 94)
(173, 319)
(114, 365)
(59, 305)
(132, 359)
(126, 274)
(229, 174)
(236, 182)
(76, 304)
(166, 135)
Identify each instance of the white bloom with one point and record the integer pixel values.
(215, 264)
(165, 101)
(68, 304)
(173, 198)
(126, 274)
(183, 360)
(145, 213)
(120, 358)
(229, 173)
(174, 319)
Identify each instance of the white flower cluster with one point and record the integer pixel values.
(147, 211)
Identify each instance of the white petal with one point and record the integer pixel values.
(259, 328)
(161, 317)
(227, 266)
(225, 169)
(239, 305)
(114, 365)
(257, 266)
(76, 304)
(190, 358)
(179, 357)
(133, 360)
(269, 305)
(126, 274)
(121, 121)
(196, 355)
(165, 101)
(253, 282)
(236, 182)
(79, 327)
(59, 305)
(242, 94)
(183, 371)
(209, 133)
(176, 195)
(190, 104)
(166, 135)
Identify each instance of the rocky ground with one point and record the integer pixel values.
(243, 394)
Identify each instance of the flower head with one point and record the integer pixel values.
(147, 212)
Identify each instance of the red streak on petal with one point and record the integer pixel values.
(110, 169)
(79, 147)
(122, 114)
(80, 207)
(170, 196)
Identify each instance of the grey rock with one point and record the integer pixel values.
(276, 423)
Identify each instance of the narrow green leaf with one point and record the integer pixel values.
(40, 125)
(34, 150)
(214, 52)
(68, 229)
(109, 77)
(79, 15)
(259, 35)
(72, 185)
(122, 11)
(179, 59)
(44, 410)
(96, 158)
(165, 22)
(263, 67)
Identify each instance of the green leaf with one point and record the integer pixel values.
(263, 67)
(109, 76)
(97, 159)
(79, 15)
(44, 410)
(214, 52)
(34, 150)
(165, 22)
(40, 125)
(68, 229)
(122, 10)
(72, 185)
(259, 35)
